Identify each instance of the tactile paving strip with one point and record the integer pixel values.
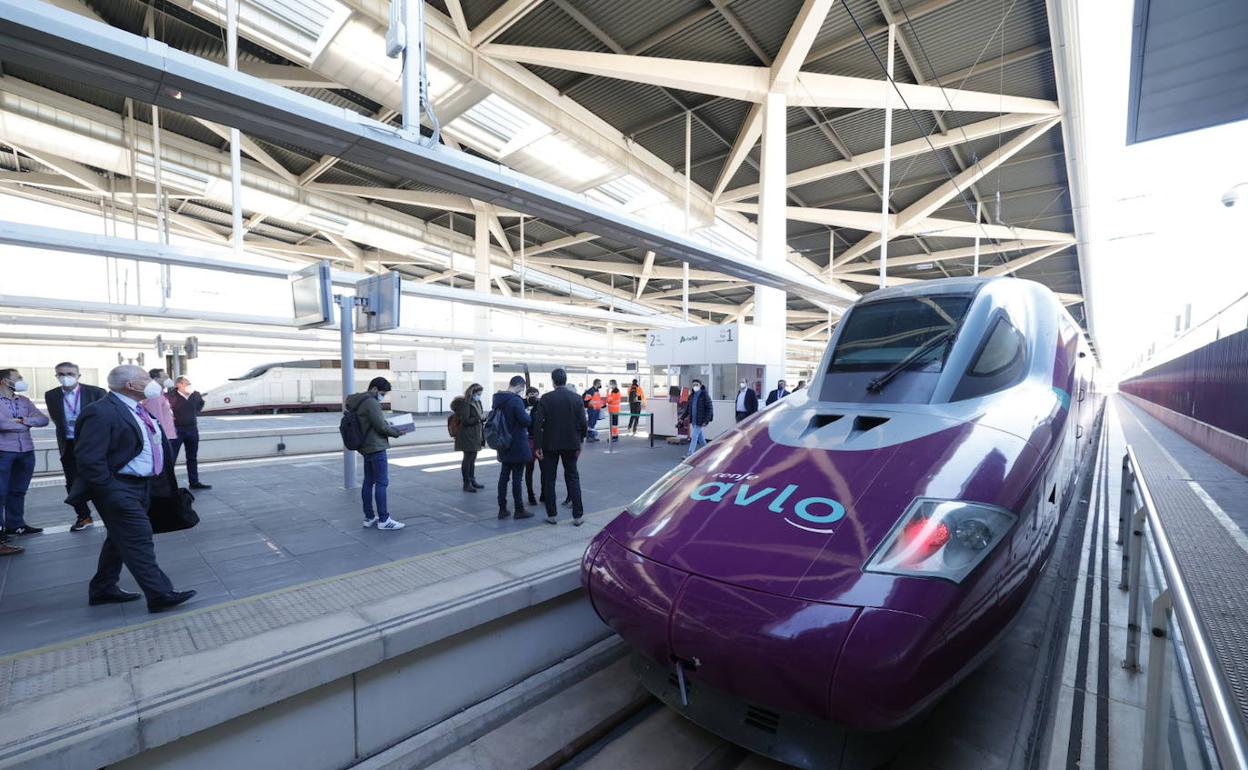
(63, 667)
(1214, 566)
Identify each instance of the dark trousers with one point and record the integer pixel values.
(571, 476)
(514, 472)
(742, 415)
(468, 468)
(69, 465)
(376, 484)
(123, 507)
(16, 470)
(632, 421)
(528, 478)
(189, 437)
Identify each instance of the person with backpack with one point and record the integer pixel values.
(636, 402)
(467, 425)
(506, 431)
(363, 410)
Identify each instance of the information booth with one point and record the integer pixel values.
(721, 357)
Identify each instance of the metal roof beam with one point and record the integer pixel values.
(968, 133)
(1015, 265)
(937, 198)
(250, 147)
(941, 256)
(500, 21)
(647, 270)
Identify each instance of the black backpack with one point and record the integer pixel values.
(497, 431)
(349, 427)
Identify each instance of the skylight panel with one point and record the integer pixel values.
(493, 123)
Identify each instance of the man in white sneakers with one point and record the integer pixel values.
(376, 433)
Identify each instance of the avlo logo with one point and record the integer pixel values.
(820, 511)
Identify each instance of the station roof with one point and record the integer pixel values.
(593, 95)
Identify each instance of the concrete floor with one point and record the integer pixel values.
(272, 523)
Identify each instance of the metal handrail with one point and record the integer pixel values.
(1225, 726)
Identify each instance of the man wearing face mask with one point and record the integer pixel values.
(377, 434)
(123, 458)
(17, 456)
(64, 405)
(159, 407)
(747, 401)
(185, 404)
(509, 407)
(699, 411)
(780, 392)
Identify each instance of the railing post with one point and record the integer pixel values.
(1124, 500)
(1136, 546)
(1157, 705)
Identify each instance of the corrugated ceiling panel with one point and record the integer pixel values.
(476, 11)
(711, 39)
(546, 26)
(967, 31)
(860, 61)
(632, 22)
(767, 21)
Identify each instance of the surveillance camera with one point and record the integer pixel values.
(1230, 198)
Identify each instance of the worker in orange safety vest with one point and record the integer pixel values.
(613, 408)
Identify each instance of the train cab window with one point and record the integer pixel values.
(1000, 362)
(878, 335)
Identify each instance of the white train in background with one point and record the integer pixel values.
(424, 382)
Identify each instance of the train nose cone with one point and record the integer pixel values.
(768, 649)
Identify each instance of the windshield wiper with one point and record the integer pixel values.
(876, 385)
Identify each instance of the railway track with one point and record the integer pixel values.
(606, 721)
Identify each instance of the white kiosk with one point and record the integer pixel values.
(719, 356)
(425, 381)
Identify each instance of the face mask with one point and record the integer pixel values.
(743, 386)
(151, 389)
(381, 396)
(168, 383)
(67, 380)
(476, 396)
(696, 388)
(533, 400)
(20, 386)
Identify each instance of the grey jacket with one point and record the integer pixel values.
(377, 432)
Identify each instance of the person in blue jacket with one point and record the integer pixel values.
(513, 458)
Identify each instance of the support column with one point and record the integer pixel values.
(483, 351)
(684, 268)
(236, 158)
(769, 303)
(978, 220)
(888, 158)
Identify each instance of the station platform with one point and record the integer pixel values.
(245, 436)
(442, 637)
(269, 523)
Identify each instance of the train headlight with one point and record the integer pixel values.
(941, 539)
(658, 489)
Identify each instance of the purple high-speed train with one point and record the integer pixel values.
(850, 553)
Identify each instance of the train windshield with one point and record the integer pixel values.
(879, 335)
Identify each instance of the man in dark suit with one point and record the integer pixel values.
(780, 392)
(64, 405)
(122, 457)
(559, 427)
(186, 404)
